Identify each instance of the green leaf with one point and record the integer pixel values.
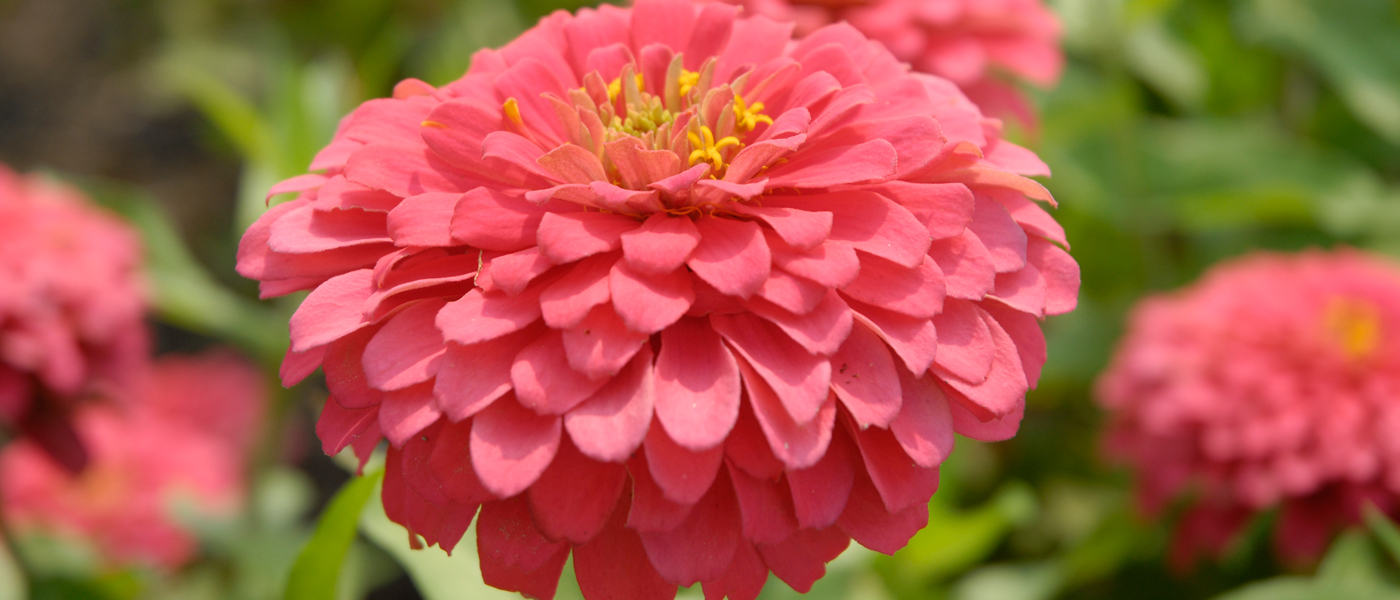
(1385, 531)
(317, 570)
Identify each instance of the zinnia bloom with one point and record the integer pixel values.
(1271, 382)
(148, 452)
(978, 44)
(660, 288)
(71, 308)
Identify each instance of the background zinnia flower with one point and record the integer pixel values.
(1271, 382)
(71, 308)
(159, 447)
(981, 45)
(659, 288)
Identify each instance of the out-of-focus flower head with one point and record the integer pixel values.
(1271, 382)
(661, 288)
(71, 308)
(981, 45)
(173, 441)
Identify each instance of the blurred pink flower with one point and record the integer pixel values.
(1271, 382)
(662, 289)
(71, 307)
(170, 442)
(978, 44)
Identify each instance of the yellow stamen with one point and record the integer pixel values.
(512, 110)
(688, 81)
(746, 118)
(615, 87)
(1355, 325)
(708, 150)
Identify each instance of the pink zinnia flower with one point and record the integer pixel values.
(156, 449)
(978, 44)
(71, 308)
(663, 289)
(1272, 382)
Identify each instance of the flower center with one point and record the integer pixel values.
(1354, 325)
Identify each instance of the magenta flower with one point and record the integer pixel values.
(662, 289)
(71, 308)
(978, 44)
(1272, 382)
(155, 448)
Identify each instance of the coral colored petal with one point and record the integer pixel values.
(490, 220)
(830, 264)
(415, 465)
(406, 412)
(514, 556)
(743, 580)
(332, 310)
(544, 380)
(917, 292)
(339, 427)
(765, 506)
(511, 446)
(683, 474)
(868, 522)
(864, 379)
(639, 167)
(665, 22)
(697, 385)
(423, 220)
(867, 222)
(610, 424)
(306, 230)
(968, 423)
(478, 317)
(820, 331)
(471, 377)
(924, 426)
(731, 256)
(1025, 331)
(801, 229)
(1002, 236)
(1023, 290)
(649, 303)
(901, 482)
(800, 380)
(512, 273)
(945, 209)
(801, 559)
(792, 293)
(568, 237)
(575, 495)
(1061, 275)
(345, 373)
(797, 445)
(966, 264)
(567, 301)
(702, 546)
(451, 464)
(1005, 387)
(913, 340)
(1029, 216)
(651, 511)
(614, 565)
(747, 448)
(819, 492)
(407, 349)
(572, 164)
(661, 245)
(601, 344)
(965, 345)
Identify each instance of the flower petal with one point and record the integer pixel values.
(731, 256)
(610, 424)
(511, 446)
(697, 385)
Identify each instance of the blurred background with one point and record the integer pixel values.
(1183, 132)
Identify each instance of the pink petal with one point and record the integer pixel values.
(1023, 290)
(864, 379)
(651, 511)
(567, 237)
(512, 273)
(601, 344)
(471, 377)
(913, 340)
(917, 292)
(801, 559)
(1005, 387)
(1061, 275)
(514, 555)
(819, 492)
(924, 426)
(296, 366)
(306, 230)
(1002, 236)
(1029, 216)
(575, 495)
(665, 22)
(683, 474)
(416, 473)
(479, 317)
(610, 424)
(800, 380)
(744, 578)
(702, 546)
(697, 385)
(820, 331)
(862, 163)
(801, 229)
(515, 159)
(567, 301)
(451, 464)
(406, 412)
(747, 447)
(1025, 330)
(966, 264)
(868, 522)
(345, 373)
(731, 256)
(901, 483)
(661, 245)
(830, 264)
(545, 382)
(511, 446)
(407, 349)
(404, 170)
(615, 565)
(945, 209)
(649, 303)
(965, 344)
(793, 294)
(796, 445)
(638, 167)
(339, 427)
(871, 223)
(423, 220)
(967, 423)
(572, 164)
(332, 310)
(490, 220)
(300, 183)
(765, 507)
(711, 33)
(455, 129)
